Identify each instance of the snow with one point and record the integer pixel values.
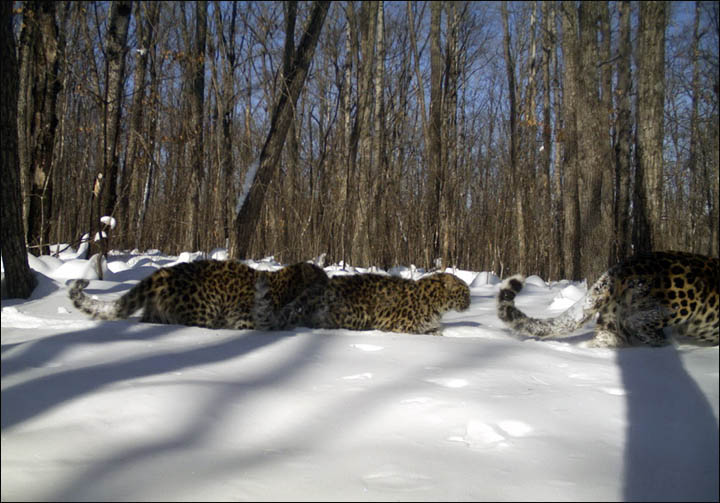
(109, 221)
(124, 410)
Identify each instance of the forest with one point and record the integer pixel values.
(549, 138)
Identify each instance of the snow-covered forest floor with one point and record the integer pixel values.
(123, 410)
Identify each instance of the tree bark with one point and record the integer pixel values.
(116, 40)
(19, 280)
(40, 86)
(548, 45)
(650, 108)
(451, 199)
(436, 168)
(197, 104)
(361, 137)
(624, 137)
(225, 104)
(571, 203)
(516, 177)
(594, 160)
(146, 18)
(249, 212)
(383, 249)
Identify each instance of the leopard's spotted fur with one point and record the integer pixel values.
(369, 302)
(636, 300)
(205, 293)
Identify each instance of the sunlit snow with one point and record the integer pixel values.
(123, 410)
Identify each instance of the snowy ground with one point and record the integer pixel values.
(129, 411)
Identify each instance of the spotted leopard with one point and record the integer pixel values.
(368, 302)
(636, 300)
(204, 293)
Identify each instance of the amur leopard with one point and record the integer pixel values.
(204, 293)
(636, 300)
(368, 302)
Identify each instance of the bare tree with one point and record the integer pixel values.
(569, 133)
(146, 19)
(293, 81)
(116, 49)
(19, 281)
(552, 246)
(624, 137)
(105, 184)
(225, 104)
(364, 28)
(594, 160)
(197, 105)
(649, 142)
(406, 143)
(520, 234)
(40, 84)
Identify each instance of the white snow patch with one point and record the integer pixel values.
(124, 410)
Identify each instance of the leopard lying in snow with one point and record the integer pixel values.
(636, 299)
(368, 302)
(205, 293)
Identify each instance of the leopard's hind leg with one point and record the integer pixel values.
(608, 333)
(636, 317)
(645, 323)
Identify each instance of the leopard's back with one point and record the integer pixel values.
(205, 293)
(377, 302)
(659, 290)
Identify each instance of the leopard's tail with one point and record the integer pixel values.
(550, 328)
(103, 309)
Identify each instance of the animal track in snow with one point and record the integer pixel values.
(485, 435)
(449, 382)
(364, 375)
(418, 399)
(366, 347)
(515, 428)
(393, 478)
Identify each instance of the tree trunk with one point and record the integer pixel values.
(19, 280)
(197, 103)
(450, 198)
(426, 244)
(249, 212)
(225, 104)
(383, 249)
(548, 45)
(650, 108)
(571, 203)
(593, 147)
(143, 186)
(516, 177)
(361, 137)
(624, 137)
(436, 168)
(344, 173)
(117, 32)
(146, 18)
(40, 85)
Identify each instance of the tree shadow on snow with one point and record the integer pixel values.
(32, 397)
(671, 451)
(41, 351)
(284, 446)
